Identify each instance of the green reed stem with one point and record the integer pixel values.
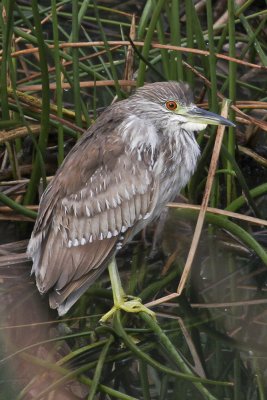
(241, 201)
(188, 375)
(230, 186)
(144, 380)
(242, 181)
(231, 227)
(256, 44)
(200, 40)
(172, 352)
(110, 58)
(164, 53)
(7, 30)
(148, 40)
(59, 91)
(17, 207)
(143, 21)
(164, 387)
(190, 40)
(260, 378)
(75, 60)
(176, 65)
(212, 58)
(45, 126)
(154, 287)
(99, 368)
(67, 376)
(237, 378)
(6, 25)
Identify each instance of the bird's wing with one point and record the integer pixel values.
(100, 195)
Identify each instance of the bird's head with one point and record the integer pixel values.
(173, 101)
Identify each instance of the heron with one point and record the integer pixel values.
(133, 160)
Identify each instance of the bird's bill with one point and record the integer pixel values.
(198, 115)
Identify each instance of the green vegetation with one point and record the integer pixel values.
(61, 64)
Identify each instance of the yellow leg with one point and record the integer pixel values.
(121, 300)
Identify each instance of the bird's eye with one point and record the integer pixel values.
(171, 105)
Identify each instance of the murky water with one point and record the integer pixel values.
(218, 325)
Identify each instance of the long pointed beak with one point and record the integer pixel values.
(201, 116)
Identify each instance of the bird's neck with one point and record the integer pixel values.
(139, 134)
(180, 150)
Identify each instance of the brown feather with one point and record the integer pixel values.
(99, 253)
(83, 218)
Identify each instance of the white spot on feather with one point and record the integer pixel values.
(75, 242)
(98, 206)
(127, 196)
(114, 203)
(118, 199)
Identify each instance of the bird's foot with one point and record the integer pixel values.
(123, 302)
(129, 304)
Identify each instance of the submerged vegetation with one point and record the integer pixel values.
(61, 64)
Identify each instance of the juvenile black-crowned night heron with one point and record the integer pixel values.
(133, 160)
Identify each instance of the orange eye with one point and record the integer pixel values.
(171, 105)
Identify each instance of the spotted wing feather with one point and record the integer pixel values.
(98, 197)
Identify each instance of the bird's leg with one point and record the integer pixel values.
(157, 237)
(121, 300)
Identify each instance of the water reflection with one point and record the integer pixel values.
(26, 328)
(218, 325)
